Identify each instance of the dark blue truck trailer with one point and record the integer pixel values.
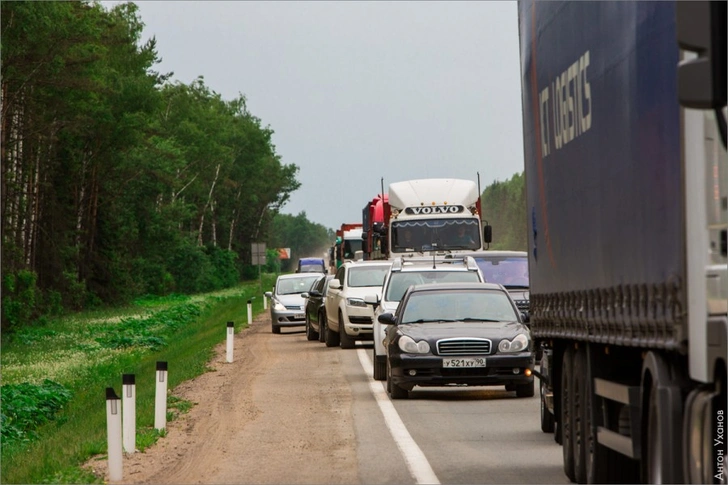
(626, 174)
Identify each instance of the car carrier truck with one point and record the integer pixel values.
(418, 217)
(625, 161)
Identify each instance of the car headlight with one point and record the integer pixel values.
(407, 344)
(279, 307)
(518, 344)
(355, 302)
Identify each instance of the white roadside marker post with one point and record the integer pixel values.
(128, 409)
(230, 335)
(160, 402)
(250, 312)
(113, 432)
(265, 302)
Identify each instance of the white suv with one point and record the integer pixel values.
(403, 274)
(348, 318)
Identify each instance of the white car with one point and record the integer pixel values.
(348, 318)
(403, 273)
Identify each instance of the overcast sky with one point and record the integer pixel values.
(359, 91)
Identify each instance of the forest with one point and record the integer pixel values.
(504, 207)
(118, 181)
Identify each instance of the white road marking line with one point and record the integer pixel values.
(418, 465)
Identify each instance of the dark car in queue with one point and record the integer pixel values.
(315, 308)
(286, 304)
(457, 334)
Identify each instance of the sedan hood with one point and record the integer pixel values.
(291, 300)
(435, 331)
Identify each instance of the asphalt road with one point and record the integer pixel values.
(467, 435)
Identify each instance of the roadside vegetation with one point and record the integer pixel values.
(55, 376)
(504, 207)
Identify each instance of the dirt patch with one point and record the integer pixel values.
(280, 413)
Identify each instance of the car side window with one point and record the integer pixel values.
(320, 284)
(340, 274)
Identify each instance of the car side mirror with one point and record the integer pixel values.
(304, 294)
(387, 318)
(268, 294)
(525, 318)
(335, 284)
(372, 300)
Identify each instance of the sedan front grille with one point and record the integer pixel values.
(464, 346)
(294, 307)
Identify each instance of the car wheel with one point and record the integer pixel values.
(311, 334)
(395, 392)
(525, 390)
(547, 419)
(332, 338)
(345, 340)
(380, 367)
(322, 327)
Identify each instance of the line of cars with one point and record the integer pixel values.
(434, 321)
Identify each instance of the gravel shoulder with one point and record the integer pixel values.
(279, 413)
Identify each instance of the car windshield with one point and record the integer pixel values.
(458, 305)
(400, 281)
(367, 276)
(511, 271)
(291, 286)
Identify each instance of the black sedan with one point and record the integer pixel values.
(314, 308)
(457, 334)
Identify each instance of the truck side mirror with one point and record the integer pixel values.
(487, 233)
(701, 29)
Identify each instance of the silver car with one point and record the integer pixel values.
(286, 305)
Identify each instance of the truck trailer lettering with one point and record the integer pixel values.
(571, 105)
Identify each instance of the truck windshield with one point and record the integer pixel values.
(435, 234)
(351, 246)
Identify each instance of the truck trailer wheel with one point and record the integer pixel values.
(578, 412)
(661, 458)
(566, 421)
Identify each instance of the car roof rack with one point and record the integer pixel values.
(468, 261)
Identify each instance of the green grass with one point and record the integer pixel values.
(89, 352)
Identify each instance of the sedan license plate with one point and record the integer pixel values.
(299, 316)
(464, 362)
